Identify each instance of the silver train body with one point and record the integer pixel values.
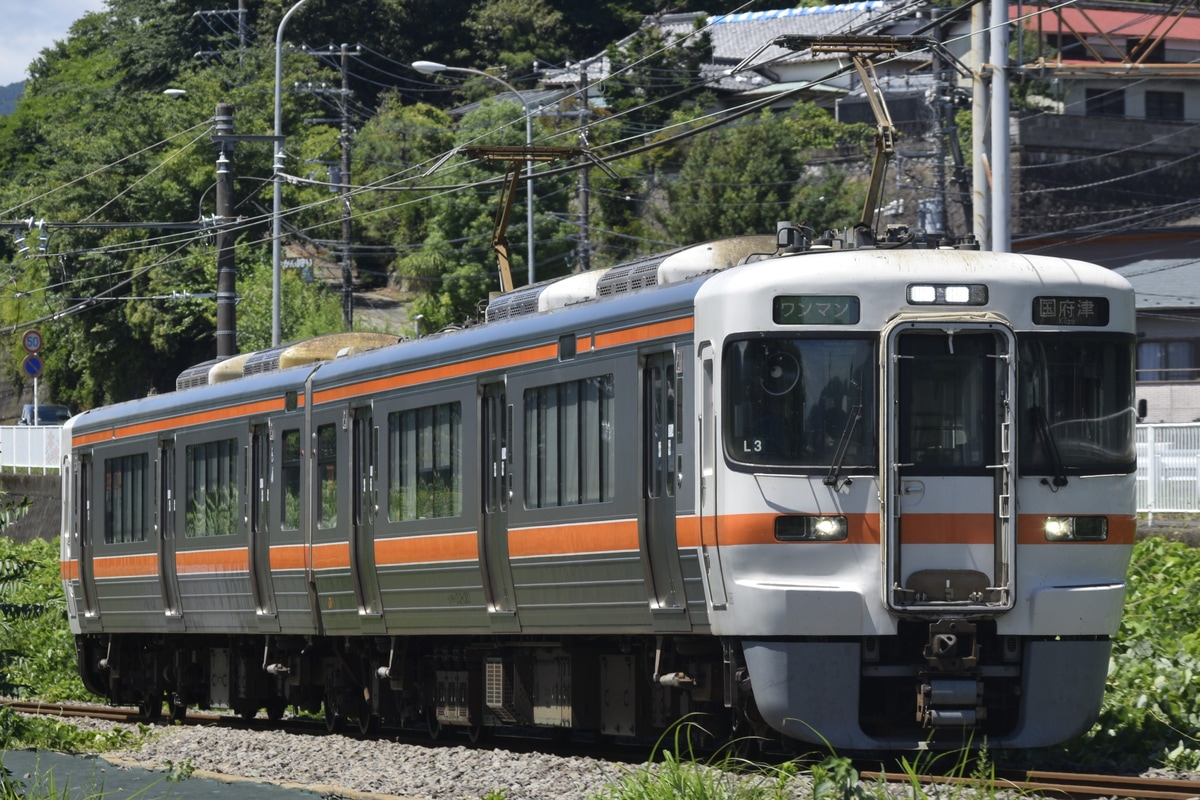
(879, 498)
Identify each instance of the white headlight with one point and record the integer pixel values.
(811, 529)
(1076, 529)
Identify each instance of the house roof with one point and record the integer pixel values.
(736, 37)
(1164, 282)
(1117, 25)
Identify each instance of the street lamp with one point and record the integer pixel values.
(432, 68)
(277, 207)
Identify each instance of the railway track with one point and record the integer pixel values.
(130, 716)
(1072, 786)
(1055, 785)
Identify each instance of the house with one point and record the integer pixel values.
(746, 66)
(1105, 60)
(1168, 348)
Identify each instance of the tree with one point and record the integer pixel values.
(12, 607)
(457, 263)
(743, 178)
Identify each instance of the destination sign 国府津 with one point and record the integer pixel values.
(811, 309)
(1067, 310)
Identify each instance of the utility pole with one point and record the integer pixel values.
(347, 218)
(981, 216)
(226, 266)
(1001, 173)
(585, 245)
(343, 182)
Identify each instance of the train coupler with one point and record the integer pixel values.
(950, 702)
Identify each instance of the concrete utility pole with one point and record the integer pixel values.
(342, 180)
(226, 266)
(347, 218)
(585, 190)
(1001, 173)
(980, 193)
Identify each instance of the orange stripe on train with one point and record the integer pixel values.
(131, 566)
(230, 559)
(183, 420)
(559, 540)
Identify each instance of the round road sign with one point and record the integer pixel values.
(32, 340)
(32, 365)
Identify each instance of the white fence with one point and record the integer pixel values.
(31, 448)
(1168, 473)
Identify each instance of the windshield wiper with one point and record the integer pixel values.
(835, 469)
(1038, 415)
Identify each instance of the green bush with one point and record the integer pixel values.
(1151, 711)
(40, 659)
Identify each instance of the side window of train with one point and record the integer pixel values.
(424, 452)
(212, 490)
(290, 476)
(569, 458)
(327, 494)
(126, 498)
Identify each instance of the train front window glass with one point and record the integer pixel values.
(947, 397)
(126, 481)
(425, 462)
(1076, 404)
(569, 457)
(290, 475)
(327, 485)
(212, 488)
(793, 402)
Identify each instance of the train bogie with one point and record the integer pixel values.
(875, 498)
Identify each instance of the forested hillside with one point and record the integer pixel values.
(119, 274)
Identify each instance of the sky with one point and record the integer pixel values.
(37, 26)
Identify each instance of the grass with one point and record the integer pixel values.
(730, 776)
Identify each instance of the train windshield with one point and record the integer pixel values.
(1076, 404)
(796, 402)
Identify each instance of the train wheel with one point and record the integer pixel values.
(476, 733)
(247, 713)
(334, 721)
(368, 723)
(435, 726)
(275, 709)
(177, 709)
(151, 707)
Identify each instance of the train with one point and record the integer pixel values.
(875, 498)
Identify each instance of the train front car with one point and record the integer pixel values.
(917, 481)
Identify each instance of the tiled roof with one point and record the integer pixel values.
(1164, 282)
(1118, 25)
(737, 36)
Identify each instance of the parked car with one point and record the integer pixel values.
(46, 414)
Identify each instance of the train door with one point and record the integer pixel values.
(261, 585)
(168, 578)
(660, 480)
(362, 515)
(495, 418)
(949, 533)
(709, 545)
(82, 533)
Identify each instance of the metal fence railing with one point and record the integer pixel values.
(1168, 472)
(31, 448)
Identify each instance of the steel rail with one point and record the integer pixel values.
(1063, 784)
